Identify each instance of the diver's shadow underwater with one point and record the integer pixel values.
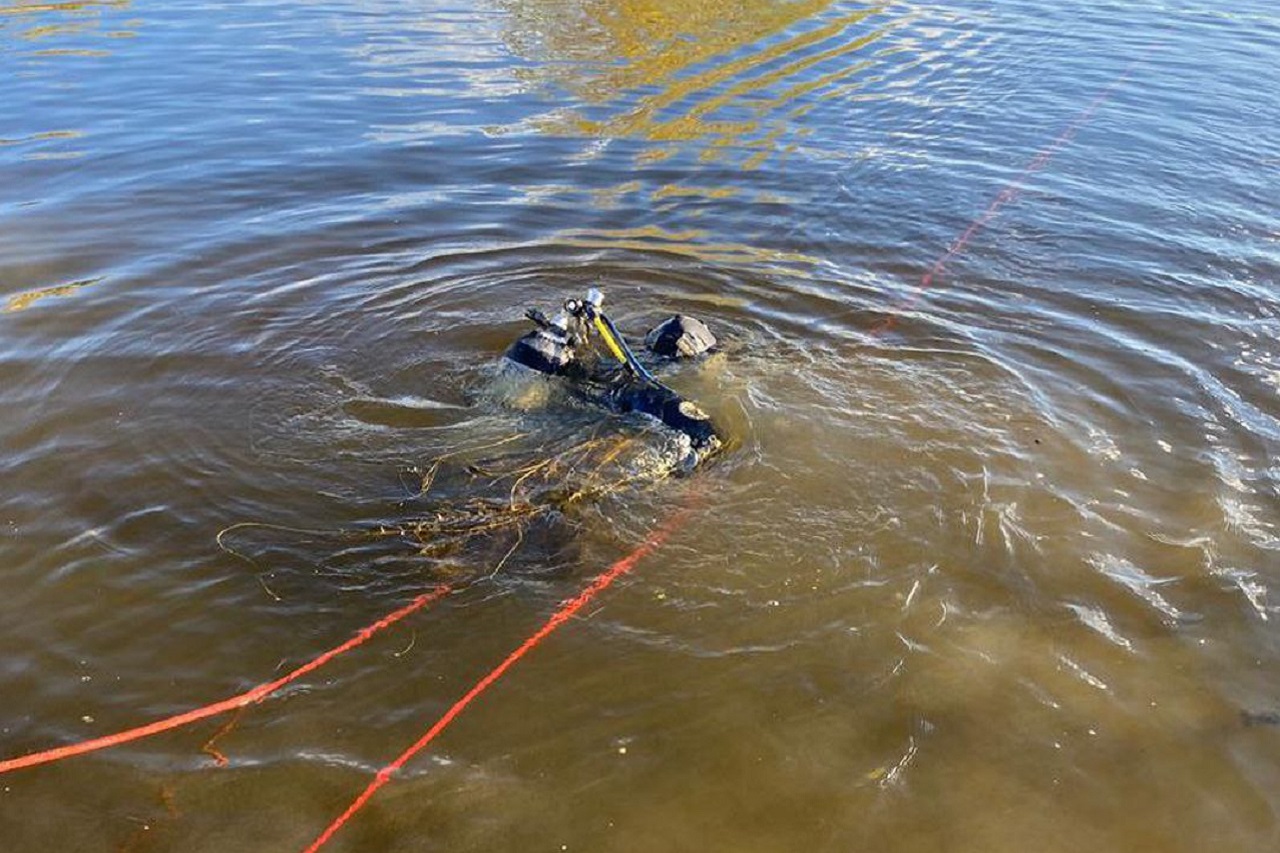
(475, 512)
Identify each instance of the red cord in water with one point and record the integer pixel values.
(569, 608)
(1008, 194)
(257, 694)
(566, 612)
(572, 606)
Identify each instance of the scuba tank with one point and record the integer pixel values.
(562, 347)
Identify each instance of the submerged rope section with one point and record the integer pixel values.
(604, 580)
(566, 611)
(530, 491)
(249, 697)
(1006, 195)
(462, 522)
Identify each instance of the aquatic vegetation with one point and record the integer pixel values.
(478, 506)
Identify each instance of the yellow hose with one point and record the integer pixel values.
(613, 345)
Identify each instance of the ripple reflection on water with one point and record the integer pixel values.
(1003, 574)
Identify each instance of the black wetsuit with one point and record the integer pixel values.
(556, 351)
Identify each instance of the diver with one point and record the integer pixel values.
(565, 347)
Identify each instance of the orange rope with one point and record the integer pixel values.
(566, 612)
(1009, 193)
(257, 694)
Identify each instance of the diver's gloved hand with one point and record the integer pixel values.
(539, 319)
(680, 336)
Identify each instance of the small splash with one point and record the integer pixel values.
(1247, 583)
(1138, 582)
(1083, 674)
(1103, 445)
(1094, 618)
(1244, 518)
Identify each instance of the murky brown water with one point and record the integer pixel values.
(999, 578)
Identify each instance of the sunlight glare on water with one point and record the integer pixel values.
(990, 563)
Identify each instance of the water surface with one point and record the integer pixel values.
(990, 567)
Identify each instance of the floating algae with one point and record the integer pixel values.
(470, 511)
(480, 505)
